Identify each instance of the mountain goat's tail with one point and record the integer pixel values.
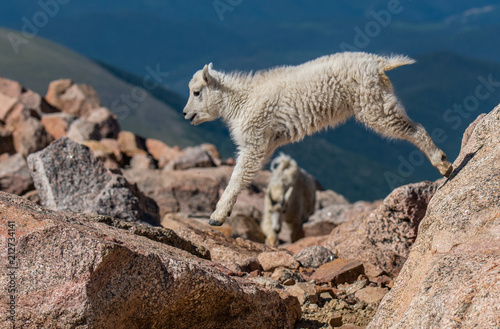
(396, 60)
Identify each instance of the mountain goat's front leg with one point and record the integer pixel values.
(248, 163)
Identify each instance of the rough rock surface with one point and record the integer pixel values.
(236, 254)
(30, 136)
(314, 256)
(82, 130)
(131, 144)
(76, 99)
(339, 271)
(15, 177)
(451, 278)
(106, 121)
(195, 192)
(69, 177)
(57, 124)
(324, 220)
(195, 157)
(75, 272)
(325, 198)
(178, 191)
(384, 237)
(273, 259)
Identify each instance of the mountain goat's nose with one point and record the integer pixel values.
(184, 113)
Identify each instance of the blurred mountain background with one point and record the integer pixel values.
(140, 55)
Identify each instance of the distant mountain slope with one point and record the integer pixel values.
(183, 35)
(40, 61)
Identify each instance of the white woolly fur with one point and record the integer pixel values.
(273, 107)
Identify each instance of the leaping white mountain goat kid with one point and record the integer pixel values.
(289, 201)
(282, 105)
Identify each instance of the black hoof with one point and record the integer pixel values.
(214, 223)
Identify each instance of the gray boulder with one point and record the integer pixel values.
(69, 177)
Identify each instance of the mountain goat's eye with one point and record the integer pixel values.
(196, 93)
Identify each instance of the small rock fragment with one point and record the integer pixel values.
(274, 259)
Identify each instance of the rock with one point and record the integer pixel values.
(82, 130)
(371, 295)
(245, 226)
(323, 221)
(156, 148)
(6, 141)
(351, 326)
(69, 177)
(106, 121)
(142, 161)
(10, 88)
(30, 136)
(114, 148)
(310, 241)
(265, 282)
(79, 272)
(274, 259)
(282, 275)
(384, 237)
(354, 287)
(57, 124)
(246, 215)
(304, 291)
(315, 256)
(338, 271)
(131, 144)
(372, 271)
(193, 193)
(36, 103)
(327, 292)
(195, 157)
(32, 196)
(451, 277)
(161, 152)
(214, 154)
(15, 177)
(56, 89)
(6, 106)
(236, 254)
(107, 152)
(325, 198)
(76, 99)
(335, 321)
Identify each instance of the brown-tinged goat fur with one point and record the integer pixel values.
(289, 200)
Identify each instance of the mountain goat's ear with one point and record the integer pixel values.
(206, 74)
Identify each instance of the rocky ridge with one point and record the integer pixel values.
(124, 218)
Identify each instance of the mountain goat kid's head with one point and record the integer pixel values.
(279, 197)
(205, 97)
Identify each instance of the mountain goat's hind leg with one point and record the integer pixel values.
(392, 121)
(248, 163)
